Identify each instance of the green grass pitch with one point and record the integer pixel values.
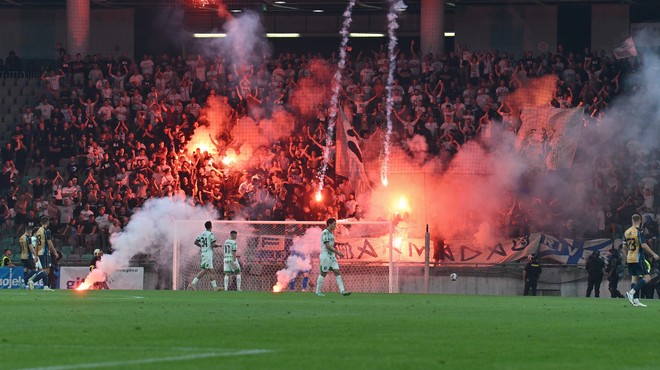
(256, 330)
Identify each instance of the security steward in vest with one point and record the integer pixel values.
(531, 275)
(6, 259)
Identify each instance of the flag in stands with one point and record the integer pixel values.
(349, 161)
(550, 135)
(625, 49)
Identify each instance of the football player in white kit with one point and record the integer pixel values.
(232, 267)
(206, 242)
(328, 260)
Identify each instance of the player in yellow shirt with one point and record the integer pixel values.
(638, 267)
(28, 254)
(44, 248)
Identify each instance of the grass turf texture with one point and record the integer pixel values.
(209, 330)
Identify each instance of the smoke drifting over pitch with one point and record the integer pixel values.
(300, 260)
(152, 231)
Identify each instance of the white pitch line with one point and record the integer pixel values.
(77, 347)
(151, 360)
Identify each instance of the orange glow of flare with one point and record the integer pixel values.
(318, 197)
(397, 242)
(384, 181)
(402, 205)
(201, 142)
(277, 288)
(83, 286)
(229, 159)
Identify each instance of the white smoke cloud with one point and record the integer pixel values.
(152, 230)
(245, 44)
(299, 261)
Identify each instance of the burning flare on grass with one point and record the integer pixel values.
(299, 262)
(95, 276)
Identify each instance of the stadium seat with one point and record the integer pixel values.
(33, 172)
(86, 257)
(14, 91)
(7, 242)
(33, 82)
(21, 81)
(9, 101)
(25, 180)
(15, 249)
(67, 250)
(14, 110)
(73, 257)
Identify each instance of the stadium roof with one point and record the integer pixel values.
(302, 5)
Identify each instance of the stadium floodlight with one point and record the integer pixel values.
(223, 35)
(283, 35)
(366, 34)
(450, 34)
(209, 35)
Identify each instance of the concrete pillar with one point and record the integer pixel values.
(77, 26)
(432, 28)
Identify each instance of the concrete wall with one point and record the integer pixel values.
(517, 28)
(555, 281)
(33, 33)
(610, 25)
(506, 28)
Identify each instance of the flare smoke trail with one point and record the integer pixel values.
(150, 231)
(300, 259)
(334, 100)
(392, 25)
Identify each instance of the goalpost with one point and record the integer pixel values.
(266, 247)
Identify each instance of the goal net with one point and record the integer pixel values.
(276, 256)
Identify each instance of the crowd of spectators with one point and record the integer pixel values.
(110, 132)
